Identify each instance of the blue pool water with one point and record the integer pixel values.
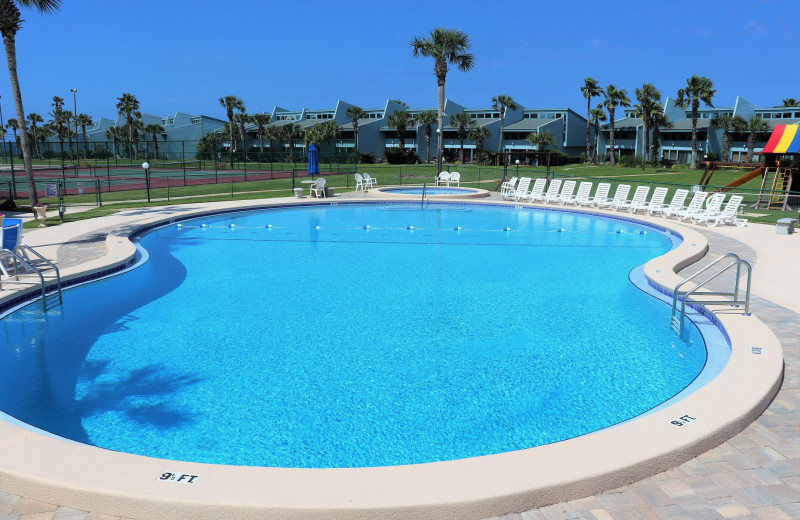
(353, 335)
(432, 191)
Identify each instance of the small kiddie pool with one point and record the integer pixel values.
(434, 192)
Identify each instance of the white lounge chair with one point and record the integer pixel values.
(639, 199)
(656, 201)
(443, 179)
(455, 178)
(600, 195)
(584, 189)
(552, 191)
(695, 206)
(726, 216)
(567, 192)
(678, 198)
(370, 182)
(537, 191)
(359, 182)
(620, 196)
(508, 187)
(522, 189)
(713, 207)
(318, 188)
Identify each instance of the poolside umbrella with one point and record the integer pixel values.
(313, 161)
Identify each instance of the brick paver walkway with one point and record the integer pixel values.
(755, 475)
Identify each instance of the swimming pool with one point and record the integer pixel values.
(365, 335)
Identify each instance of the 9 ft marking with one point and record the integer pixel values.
(683, 420)
(183, 478)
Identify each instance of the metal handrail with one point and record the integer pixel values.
(6, 252)
(424, 189)
(737, 262)
(23, 248)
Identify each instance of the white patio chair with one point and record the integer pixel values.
(713, 207)
(318, 188)
(639, 199)
(726, 216)
(443, 179)
(584, 189)
(695, 206)
(359, 182)
(537, 191)
(370, 182)
(678, 198)
(455, 178)
(620, 196)
(567, 191)
(508, 187)
(522, 189)
(600, 195)
(656, 201)
(552, 191)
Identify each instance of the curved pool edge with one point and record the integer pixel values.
(98, 480)
(385, 193)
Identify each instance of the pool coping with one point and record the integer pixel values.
(473, 193)
(88, 478)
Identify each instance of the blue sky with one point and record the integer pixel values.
(184, 55)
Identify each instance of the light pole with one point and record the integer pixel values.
(75, 115)
(146, 166)
(438, 159)
(517, 172)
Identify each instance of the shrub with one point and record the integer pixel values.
(399, 156)
(366, 158)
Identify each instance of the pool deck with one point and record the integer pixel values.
(755, 474)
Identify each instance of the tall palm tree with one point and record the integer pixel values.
(463, 122)
(727, 123)
(261, 121)
(115, 134)
(241, 119)
(697, 89)
(58, 122)
(614, 97)
(658, 120)
(67, 116)
(648, 97)
(84, 120)
(590, 89)
(753, 126)
(10, 24)
(14, 126)
(445, 46)
(596, 115)
(355, 113)
(231, 103)
(790, 102)
(400, 120)
(154, 129)
(128, 106)
(34, 119)
(289, 132)
(502, 103)
(43, 132)
(427, 118)
(328, 131)
(478, 134)
(541, 140)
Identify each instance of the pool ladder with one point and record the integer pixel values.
(20, 258)
(424, 190)
(678, 315)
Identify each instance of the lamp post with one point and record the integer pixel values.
(438, 159)
(146, 166)
(517, 171)
(75, 116)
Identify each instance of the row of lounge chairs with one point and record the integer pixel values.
(447, 178)
(564, 192)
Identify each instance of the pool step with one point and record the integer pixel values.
(675, 325)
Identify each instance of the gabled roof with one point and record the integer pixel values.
(526, 125)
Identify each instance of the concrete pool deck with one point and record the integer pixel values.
(755, 474)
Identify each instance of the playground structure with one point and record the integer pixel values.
(779, 172)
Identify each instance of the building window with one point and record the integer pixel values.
(195, 121)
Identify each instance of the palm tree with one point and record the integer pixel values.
(154, 129)
(590, 89)
(355, 113)
(790, 102)
(753, 126)
(462, 121)
(84, 120)
(10, 23)
(727, 122)
(400, 119)
(115, 134)
(501, 103)
(697, 89)
(231, 103)
(328, 131)
(14, 126)
(427, 118)
(478, 134)
(34, 119)
(241, 119)
(648, 97)
(58, 122)
(614, 97)
(658, 120)
(67, 116)
(541, 140)
(445, 46)
(261, 121)
(43, 132)
(128, 106)
(289, 132)
(596, 115)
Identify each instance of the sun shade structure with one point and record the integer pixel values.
(784, 139)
